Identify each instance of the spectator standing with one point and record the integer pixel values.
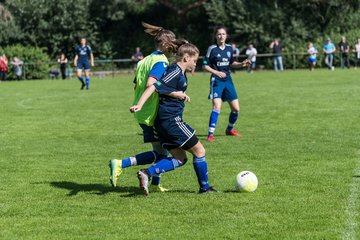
(3, 66)
(236, 54)
(63, 61)
(357, 52)
(251, 53)
(17, 67)
(344, 49)
(329, 49)
(312, 51)
(136, 57)
(277, 51)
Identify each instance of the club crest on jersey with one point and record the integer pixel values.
(218, 55)
(228, 54)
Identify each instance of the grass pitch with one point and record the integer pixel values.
(300, 137)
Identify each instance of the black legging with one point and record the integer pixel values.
(2, 75)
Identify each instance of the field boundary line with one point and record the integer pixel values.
(351, 224)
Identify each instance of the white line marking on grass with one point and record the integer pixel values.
(23, 103)
(351, 211)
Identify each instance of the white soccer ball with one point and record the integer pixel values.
(246, 181)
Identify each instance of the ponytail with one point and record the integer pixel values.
(164, 39)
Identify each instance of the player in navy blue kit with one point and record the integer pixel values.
(218, 59)
(83, 59)
(175, 135)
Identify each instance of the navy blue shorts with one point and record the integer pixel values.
(149, 133)
(175, 133)
(83, 65)
(222, 89)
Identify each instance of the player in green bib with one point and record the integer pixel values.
(148, 71)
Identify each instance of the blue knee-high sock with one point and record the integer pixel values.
(140, 159)
(81, 80)
(232, 120)
(213, 120)
(200, 166)
(87, 82)
(164, 165)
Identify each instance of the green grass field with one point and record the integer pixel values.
(300, 137)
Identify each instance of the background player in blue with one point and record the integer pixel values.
(175, 135)
(83, 59)
(218, 59)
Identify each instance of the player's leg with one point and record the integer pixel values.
(164, 165)
(200, 164)
(116, 165)
(87, 75)
(230, 95)
(174, 135)
(79, 75)
(216, 91)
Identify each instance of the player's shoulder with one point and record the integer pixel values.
(173, 72)
(210, 49)
(88, 47)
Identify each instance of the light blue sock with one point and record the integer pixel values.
(164, 165)
(200, 166)
(232, 120)
(213, 120)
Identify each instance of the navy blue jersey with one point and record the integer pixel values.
(83, 53)
(173, 80)
(219, 59)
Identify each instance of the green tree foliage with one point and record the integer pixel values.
(113, 27)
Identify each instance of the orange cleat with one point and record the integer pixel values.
(232, 132)
(210, 138)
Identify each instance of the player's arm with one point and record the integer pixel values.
(92, 59)
(75, 60)
(156, 72)
(144, 97)
(244, 63)
(178, 94)
(213, 71)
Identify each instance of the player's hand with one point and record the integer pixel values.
(221, 74)
(135, 108)
(187, 98)
(180, 95)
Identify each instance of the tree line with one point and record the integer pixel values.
(113, 27)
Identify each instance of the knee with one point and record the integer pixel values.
(200, 152)
(217, 108)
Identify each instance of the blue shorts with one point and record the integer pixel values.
(312, 60)
(149, 133)
(222, 89)
(83, 65)
(175, 133)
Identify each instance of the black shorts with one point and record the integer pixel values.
(175, 133)
(150, 134)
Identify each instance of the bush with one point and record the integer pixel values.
(36, 61)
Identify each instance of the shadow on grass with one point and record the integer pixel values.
(98, 189)
(356, 176)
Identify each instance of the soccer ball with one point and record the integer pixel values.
(246, 181)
